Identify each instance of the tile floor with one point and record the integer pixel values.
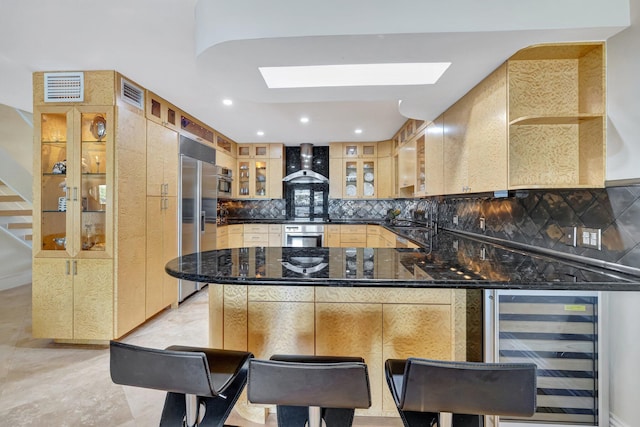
(47, 384)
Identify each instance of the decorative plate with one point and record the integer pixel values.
(368, 189)
(368, 177)
(351, 190)
(99, 127)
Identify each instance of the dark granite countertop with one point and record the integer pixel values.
(446, 260)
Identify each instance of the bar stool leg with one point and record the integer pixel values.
(315, 417)
(192, 410)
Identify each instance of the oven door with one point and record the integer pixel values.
(303, 240)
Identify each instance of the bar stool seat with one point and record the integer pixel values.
(202, 384)
(423, 390)
(310, 389)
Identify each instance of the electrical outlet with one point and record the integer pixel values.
(455, 220)
(284, 211)
(591, 238)
(483, 224)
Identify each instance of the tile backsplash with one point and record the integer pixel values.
(535, 217)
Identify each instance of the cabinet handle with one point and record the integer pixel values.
(67, 193)
(68, 268)
(162, 189)
(166, 189)
(75, 194)
(75, 268)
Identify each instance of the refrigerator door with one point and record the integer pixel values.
(189, 217)
(208, 204)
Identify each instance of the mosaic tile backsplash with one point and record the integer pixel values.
(538, 218)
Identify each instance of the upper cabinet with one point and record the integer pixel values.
(354, 169)
(475, 138)
(260, 171)
(434, 158)
(557, 116)
(162, 112)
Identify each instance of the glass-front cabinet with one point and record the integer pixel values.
(253, 178)
(75, 169)
(359, 178)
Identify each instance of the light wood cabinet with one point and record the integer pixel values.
(434, 158)
(162, 112)
(235, 235)
(557, 117)
(475, 138)
(406, 169)
(162, 160)
(84, 154)
(162, 246)
(260, 169)
(353, 176)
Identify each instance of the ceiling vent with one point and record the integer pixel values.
(132, 94)
(64, 87)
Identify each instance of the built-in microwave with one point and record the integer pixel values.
(224, 182)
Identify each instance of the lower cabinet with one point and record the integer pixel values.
(77, 300)
(162, 246)
(376, 324)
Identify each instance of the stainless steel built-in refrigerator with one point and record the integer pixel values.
(198, 200)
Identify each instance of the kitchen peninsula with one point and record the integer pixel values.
(377, 303)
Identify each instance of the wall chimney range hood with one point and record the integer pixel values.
(305, 175)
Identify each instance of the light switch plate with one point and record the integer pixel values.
(591, 238)
(570, 236)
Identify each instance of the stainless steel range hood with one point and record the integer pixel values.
(305, 175)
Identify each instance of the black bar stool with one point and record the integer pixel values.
(423, 389)
(202, 384)
(310, 389)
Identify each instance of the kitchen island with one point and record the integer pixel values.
(377, 303)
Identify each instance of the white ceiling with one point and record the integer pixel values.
(194, 53)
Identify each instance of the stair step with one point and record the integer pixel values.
(21, 212)
(17, 225)
(10, 198)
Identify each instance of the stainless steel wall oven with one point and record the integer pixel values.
(303, 235)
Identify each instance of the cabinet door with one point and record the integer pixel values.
(405, 335)
(354, 330)
(244, 178)
(276, 173)
(350, 173)
(162, 160)
(92, 198)
(434, 158)
(93, 300)
(52, 203)
(456, 148)
(155, 265)
(261, 176)
(420, 189)
(294, 322)
(487, 129)
(52, 298)
(169, 249)
(336, 177)
(368, 174)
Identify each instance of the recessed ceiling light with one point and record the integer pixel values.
(304, 119)
(227, 102)
(260, 133)
(418, 73)
(358, 131)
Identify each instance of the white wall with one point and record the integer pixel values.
(623, 99)
(623, 162)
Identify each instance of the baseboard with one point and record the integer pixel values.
(15, 280)
(616, 422)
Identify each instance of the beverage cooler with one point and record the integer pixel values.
(561, 333)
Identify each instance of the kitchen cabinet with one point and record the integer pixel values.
(359, 150)
(260, 171)
(421, 178)
(162, 161)
(557, 117)
(434, 158)
(225, 145)
(222, 237)
(235, 235)
(475, 138)
(197, 130)
(76, 303)
(84, 154)
(162, 246)
(406, 169)
(162, 112)
(353, 176)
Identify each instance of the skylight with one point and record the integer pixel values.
(419, 73)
